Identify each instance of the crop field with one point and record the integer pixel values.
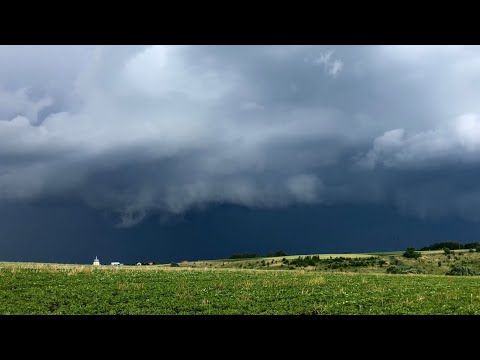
(73, 289)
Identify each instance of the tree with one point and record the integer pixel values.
(411, 253)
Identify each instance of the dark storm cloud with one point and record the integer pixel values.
(162, 129)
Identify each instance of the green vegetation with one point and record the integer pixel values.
(339, 262)
(61, 289)
(400, 269)
(384, 283)
(411, 253)
(430, 262)
(452, 245)
(461, 270)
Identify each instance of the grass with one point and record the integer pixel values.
(73, 289)
(427, 263)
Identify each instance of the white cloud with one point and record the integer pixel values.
(335, 68)
(457, 140)
(332, 66)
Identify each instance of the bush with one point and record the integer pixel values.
(395, 261)
(471, 250)
(411, 253)
(395, 269)
(461, 270)
(447, 251)
(473, 245)
(412, 271)
(477, 249)
(174, 264)
(447, 244)
(439, 263)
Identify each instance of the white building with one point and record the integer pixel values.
(116, 263)
(96, 261)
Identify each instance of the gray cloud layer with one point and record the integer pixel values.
(135, 129)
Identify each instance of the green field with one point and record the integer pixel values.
(70, 289)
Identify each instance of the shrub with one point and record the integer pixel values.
(471, 250)
(473, 245)
(174, 264)
(439, 263)
(461, 270)
(446, 251)
(395, 269)
(412, 271)
(395, 261)
(411, 253)
(447, 244)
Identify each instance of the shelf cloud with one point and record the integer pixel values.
(138, 130)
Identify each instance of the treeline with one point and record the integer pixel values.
(254, 255)
(452, 245)
(334, 263)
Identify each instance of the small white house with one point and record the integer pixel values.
(96, 261)
(115, 263)
(139, 264)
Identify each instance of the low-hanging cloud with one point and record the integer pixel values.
(137, 130)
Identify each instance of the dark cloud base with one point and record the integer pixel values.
(72, 234)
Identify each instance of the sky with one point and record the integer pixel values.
(170, 152)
